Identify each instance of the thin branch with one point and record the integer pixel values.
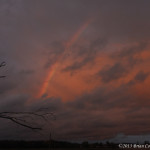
(24, 125)
(2, 76)
(3, 64)
(20, 117)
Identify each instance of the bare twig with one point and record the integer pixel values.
(2, 64)
(23, 118)
(24, 125)
(2, 76)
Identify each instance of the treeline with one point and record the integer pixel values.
(53, 144)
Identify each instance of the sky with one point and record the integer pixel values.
(86, 61)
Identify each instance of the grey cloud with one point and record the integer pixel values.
(13, 103)
(124, 21)
(55, 50)
(52, 104)
(77, 65)
(6, 86)
(113, 73)
(128, 53)
(132, 50)
(141, 76)
(87, 52)
(27, 72)
(93, 115)
(102, 100)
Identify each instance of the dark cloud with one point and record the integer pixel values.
(130, 51)
(13, 103)
(77, 65)
(55, 50)
(141, 76)
(113, 73)
(88, 54)
(6, 86)
(126, 62)
(127, 54)
(89, 111)
(92, 116)
(27, 71)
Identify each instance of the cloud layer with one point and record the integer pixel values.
(100, 87)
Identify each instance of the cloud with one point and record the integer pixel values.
(127, 54)
(141, 76)
(6, 86)
(54, 52)
(131, 50)
(113, 73)
(84, 54)
(97, 115)
(114, 48)
(13, 103)
(122, 25)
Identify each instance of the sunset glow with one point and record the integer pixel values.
(60, 60)
(85, 61)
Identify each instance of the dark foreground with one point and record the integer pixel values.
(102, 148)
(61, 149)
(63, 145)
(59, 145)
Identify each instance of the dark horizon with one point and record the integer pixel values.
(68, 144)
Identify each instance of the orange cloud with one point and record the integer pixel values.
(69, 85)
(56, 66)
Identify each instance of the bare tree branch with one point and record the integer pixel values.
(2, 76)
(24, 125)
(26, 119)
(2, 64)
(22, 118)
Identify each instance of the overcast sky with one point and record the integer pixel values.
(87, 61)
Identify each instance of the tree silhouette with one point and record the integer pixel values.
(28, 119)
